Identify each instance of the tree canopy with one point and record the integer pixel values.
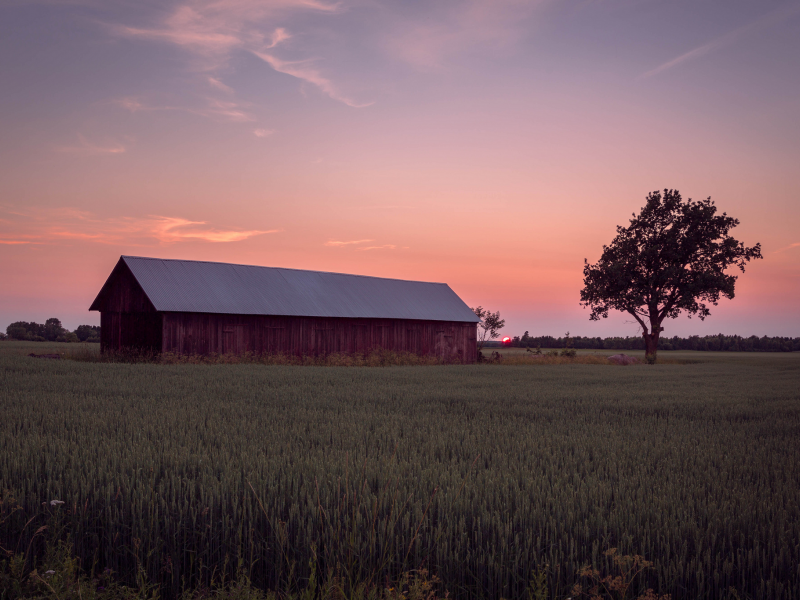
(672, 258)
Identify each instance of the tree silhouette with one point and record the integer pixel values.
(671, 258)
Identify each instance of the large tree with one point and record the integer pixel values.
(671, 258)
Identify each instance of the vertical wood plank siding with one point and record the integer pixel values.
(130, 330)
(204, 333)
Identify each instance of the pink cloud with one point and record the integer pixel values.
(350, 243)
(45, 226)
(384, 247)
(449, 29)
(89, 148)
(360, 243)
(170, 229)
(227, 110)
(278, 36)
(302, 70)
(231, 111)
(212, 29)
(216, 83)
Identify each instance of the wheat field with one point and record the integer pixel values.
(483, 474)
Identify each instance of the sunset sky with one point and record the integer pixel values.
(489, 145)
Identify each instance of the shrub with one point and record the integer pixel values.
(17, 333)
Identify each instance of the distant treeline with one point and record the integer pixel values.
(719, 342)
(51, 331)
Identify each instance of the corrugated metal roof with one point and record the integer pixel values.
(207, 287)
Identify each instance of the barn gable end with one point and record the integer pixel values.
(128, 318)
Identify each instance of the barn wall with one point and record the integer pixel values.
(203, 333)
(120, 331)
(127, 317)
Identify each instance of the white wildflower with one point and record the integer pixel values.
(50, 572)
(56, 502)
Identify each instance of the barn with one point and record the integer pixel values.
(194, 307)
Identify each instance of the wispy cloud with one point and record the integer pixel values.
(384, 247)
(302, 69)
(212, 30)
(47, 226)
(86, 147)
(262, 133)
(771, 18)
(128, 103)
(449, 29)
(359, 245)
(227, 110)
(278, 36)
(171, 229)
(231, 111)
(350, 243)
(789, 247)
(216, 83)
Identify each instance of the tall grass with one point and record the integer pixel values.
(376, 358)
(482, 475)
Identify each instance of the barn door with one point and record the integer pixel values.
(445, 344)
(233, 339)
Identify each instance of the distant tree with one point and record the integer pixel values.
(87, 332)
(19, 330)
(671, 258)
(569, 347)
(53, 329)
(490, 324)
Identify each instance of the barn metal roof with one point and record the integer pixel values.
(208, 287)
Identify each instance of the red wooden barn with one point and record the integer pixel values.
(192, 307)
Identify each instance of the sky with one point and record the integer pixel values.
(492, 145)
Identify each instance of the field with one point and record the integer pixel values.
(483, 474)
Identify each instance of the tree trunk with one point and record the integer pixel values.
(651, 343)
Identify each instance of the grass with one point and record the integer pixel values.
(378, 358)
(483, 474)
